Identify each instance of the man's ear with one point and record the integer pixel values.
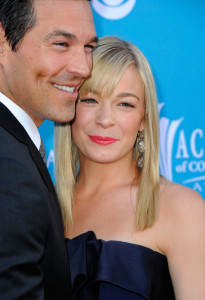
(2, 39)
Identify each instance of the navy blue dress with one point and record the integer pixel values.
(114, 270)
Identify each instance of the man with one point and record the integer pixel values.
(45, 54)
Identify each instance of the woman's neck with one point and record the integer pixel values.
(93, 175)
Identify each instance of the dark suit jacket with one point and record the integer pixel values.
(33, 257)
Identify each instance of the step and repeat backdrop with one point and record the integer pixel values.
(171, 35)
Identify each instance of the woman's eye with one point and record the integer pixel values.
(90, 100)
(125, 104)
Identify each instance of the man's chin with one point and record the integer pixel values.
(66, 116)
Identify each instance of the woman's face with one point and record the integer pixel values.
(105, 129)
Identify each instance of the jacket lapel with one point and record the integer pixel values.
(11, 124)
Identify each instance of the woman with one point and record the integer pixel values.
(146, 228)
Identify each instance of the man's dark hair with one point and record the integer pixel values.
(16, 17)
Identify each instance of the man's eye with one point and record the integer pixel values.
(61, 44)
(90, 47)
(90, 100)
(125, 104)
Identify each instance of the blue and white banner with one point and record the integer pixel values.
(171, 35)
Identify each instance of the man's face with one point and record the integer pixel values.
(51, 61)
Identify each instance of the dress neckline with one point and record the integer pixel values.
(129, 244)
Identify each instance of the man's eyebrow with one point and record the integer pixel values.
(57, 33)
(94, 40)
(68, 35)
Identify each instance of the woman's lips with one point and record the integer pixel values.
(101, 140)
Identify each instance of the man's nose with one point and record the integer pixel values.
(80, 63)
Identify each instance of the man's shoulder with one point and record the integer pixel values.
(9, 144)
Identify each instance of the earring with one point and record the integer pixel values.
(140, 148)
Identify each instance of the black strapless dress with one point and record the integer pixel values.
(114, 270)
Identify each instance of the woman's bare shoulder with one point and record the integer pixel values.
(182, 210)
(177, 196)
(182, 228)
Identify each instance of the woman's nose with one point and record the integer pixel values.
(105, 116)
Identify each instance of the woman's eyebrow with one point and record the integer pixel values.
(126, 94)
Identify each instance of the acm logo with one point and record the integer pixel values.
(113, 9)
(189, 155)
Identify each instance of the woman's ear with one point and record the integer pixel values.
(141, 128)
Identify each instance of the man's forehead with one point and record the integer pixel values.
(71, 19)
(73, 8)
(52, 2)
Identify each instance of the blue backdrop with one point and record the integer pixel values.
(171, 35)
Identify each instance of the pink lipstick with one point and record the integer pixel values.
(101, 140)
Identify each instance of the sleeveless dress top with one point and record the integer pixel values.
(115, 270)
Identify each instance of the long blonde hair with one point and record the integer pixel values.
(110, 59)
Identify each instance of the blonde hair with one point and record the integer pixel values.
(110, 59)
